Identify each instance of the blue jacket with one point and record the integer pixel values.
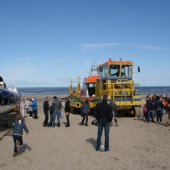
(34, 105)
(18, 127)
(85, 109)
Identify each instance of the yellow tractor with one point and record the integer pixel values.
(114, 79)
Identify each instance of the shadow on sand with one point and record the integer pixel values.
(23, 149)
(92, 141)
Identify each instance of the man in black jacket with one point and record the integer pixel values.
(104, 117)
(159, 109)
(46, 109)
(151, 109)
(67, 110)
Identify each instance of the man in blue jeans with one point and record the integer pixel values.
(56, 105)
(151, 109)
(104, 117)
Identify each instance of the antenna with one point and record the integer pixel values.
(94, 68)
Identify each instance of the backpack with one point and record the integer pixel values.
(166, 104)
(59, 105)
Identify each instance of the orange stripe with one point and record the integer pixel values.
(92, 79)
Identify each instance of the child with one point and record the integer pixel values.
(18, 127)
(145, 111)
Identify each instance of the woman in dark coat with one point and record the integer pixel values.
(168, 111)
(85, 110)
(67, 111)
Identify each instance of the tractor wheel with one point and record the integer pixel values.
(133, 112)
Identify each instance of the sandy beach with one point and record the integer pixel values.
(134, 145)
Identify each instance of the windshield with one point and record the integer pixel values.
(126, 71)
(114, 70)
(104, 72)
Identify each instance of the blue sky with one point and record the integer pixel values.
(48, 42)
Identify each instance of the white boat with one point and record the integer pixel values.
(9, 98)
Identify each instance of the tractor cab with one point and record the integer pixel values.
(120, 71)
(114, 70)
(116, 80)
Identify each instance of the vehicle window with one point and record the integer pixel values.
(104, 72)
(114, 70)
(126, 71)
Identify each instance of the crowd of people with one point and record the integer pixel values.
(29, 106)
(55, 111)
(155, 107)
(104, 112)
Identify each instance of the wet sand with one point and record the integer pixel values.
(134, 145)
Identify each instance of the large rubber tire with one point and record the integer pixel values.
(133, 112)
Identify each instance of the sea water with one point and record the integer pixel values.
(43, 91)
(64, 91)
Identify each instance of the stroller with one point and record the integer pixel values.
(94, 122)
